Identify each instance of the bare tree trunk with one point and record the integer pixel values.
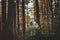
(37, 12)
(23, 13)
(18, 15)
(3, 14)
(10, 19)
(3, 19)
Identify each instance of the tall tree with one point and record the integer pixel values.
(23, 13)
(57, 18)
(18, 15)
(14, 16)
(37, 12)
(3, 14)
(10, 19)
(3, 19)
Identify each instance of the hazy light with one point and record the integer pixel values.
(0, 0)
(30, 5)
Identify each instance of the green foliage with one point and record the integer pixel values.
(35, 31)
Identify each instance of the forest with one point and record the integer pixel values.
(29, 19)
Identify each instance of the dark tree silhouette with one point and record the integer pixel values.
(23, 14)
(7, 24)
(18, 15)
(3, 19)
(37, 12)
